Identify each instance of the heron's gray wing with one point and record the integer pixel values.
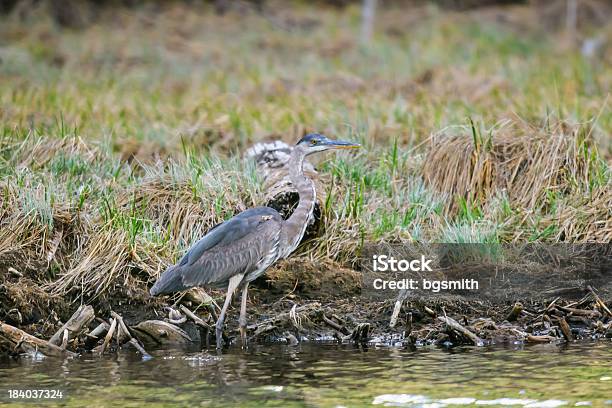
(236, 246)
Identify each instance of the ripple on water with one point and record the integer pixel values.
(407, 400)
(330, 375)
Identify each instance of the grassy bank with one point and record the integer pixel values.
(121, 143)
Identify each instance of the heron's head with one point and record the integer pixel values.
(315, 142)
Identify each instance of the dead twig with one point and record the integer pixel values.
(565, 329)
(335, 325)
(79, 321)
(109, 335)
(454, 325)
(599, 302)
(398, 307)
(540, 339)
(307, 309)
(193, 317)
(123, 328)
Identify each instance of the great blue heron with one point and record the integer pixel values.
(239, 250)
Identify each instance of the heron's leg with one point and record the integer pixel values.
(233, 284)
(242, 321)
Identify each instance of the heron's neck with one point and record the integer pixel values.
(295, 226)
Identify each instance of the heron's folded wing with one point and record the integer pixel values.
(234, 247)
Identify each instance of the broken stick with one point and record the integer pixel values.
(599, 302)
(453, 324)
(397, 307)
(123, 329)
(27, 342)
(335, 325)
(565, 329)
(109, 335)
(79, 321)
(193, 317)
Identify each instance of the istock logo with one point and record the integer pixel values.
(383, 263)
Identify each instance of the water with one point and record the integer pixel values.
(327, 376)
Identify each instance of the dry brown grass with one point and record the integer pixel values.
(528, 164)
(586, 218)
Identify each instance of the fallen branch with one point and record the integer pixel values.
(453, 324)
(565, 329)
(79, 321)
(99, 331)
(591, 314)
(309, 308)
(193, 317)
(123, 328)
(22, 340)
(599, 302)
(65, 340)
(540, 339)
(109, 335)
(398, 307)
(335, 325)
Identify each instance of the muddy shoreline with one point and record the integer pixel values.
(310, 311)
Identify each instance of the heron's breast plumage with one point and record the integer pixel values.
(271, 253)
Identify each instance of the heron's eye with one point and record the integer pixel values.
(313, 142)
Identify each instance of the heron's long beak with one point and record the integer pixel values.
(341, 144)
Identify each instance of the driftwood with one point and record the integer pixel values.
(336, 326)
(600, 302)
(454, 325)
(77, 323)
(193, 317)
(360, 334)
(398, 307)
(565, 329)
(123, 329)
(96, 334)
(109, 335)
(591, 314)
(158, 332)
(408, 330)
(99, 331)
(307, 309)
(540, 339)
(64, 340)
(21, 340)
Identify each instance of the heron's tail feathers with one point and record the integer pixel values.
(170, 281)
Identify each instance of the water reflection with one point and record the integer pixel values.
(327, 375)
